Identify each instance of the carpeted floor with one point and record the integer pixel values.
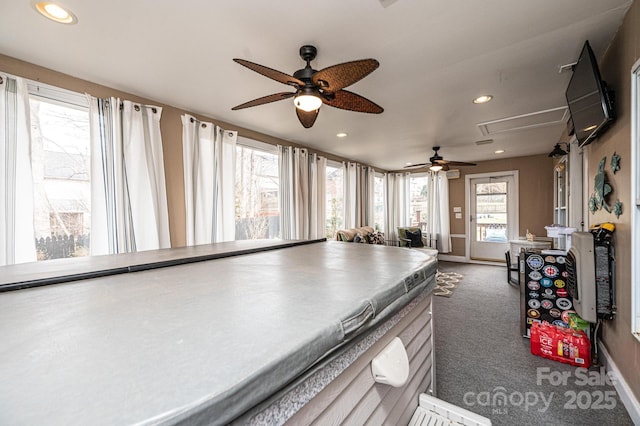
(484, 365)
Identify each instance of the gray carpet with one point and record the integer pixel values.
(480, 355)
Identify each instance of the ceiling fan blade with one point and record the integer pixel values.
(344, 99)
(458, 163)
(307, 118)
(265, 100)
(336, 77)
(417, 165)
(271, 73)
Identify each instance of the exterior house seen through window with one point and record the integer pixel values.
(61, 158)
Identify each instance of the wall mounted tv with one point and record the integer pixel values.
(590, 101)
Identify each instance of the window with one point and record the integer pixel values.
(257, 192)
(378, 202)
(335, 197)
(61, 159)
(418, 201)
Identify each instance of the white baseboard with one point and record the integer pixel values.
(450, 258)
(627, 397)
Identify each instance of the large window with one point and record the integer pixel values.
(418, 201)
(335, 197)
(61, 158)
(257, 193)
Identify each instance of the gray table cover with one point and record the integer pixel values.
(202, 342)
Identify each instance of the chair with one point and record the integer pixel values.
(412, 237)
(511, 267)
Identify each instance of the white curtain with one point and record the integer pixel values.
(396, 194)
(358, 195)
(17, 239)
(438, 214)
(128, 194)
(209, 156)
(302, 193)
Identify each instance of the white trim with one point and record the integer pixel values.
(451, 258)
(625, 393)
(53, 93)
(635, 201)
(254, 144)
(458, 236)
(467, 203)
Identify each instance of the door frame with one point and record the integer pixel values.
(467, 207)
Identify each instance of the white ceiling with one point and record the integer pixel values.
(435, 57)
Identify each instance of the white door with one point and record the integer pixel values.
(493, 216)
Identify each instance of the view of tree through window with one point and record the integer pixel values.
(61, 159)
(257, 188)
(335, 197)
(418, 201)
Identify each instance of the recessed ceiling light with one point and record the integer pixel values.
(341, 135)
(482, 99)
(500, 151)
(55, 12)
(409, 164)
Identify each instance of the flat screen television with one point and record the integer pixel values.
(590, 101)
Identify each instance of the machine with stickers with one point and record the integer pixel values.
(543, 289)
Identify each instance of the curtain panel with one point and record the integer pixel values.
(209, 157)
(438, 214)
(302, 193)
(396, 197)
(128, 194)
(358, 195)
(17, 239)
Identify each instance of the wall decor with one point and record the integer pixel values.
(617, 208)
(615, 163)
(602, 189)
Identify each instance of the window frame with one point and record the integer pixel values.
(635, 191)
(335, 165)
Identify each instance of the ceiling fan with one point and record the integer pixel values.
(313, 88)
(437, 163)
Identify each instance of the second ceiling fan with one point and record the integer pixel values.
(314, 88)
(436, 162)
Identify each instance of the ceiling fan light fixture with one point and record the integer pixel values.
(435, 167)
(307, 102)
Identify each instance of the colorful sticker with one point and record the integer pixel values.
(551, 271)
(565, 315)
(565, 274)
(562, 292)
(547, 304)
(555, 312)
(533, 285)
(561, 260)
(550, 259)
(534, 303)
(531, 321)
(546, 282)
(561, 324)
(564, 303)
(535, 275)
(533, 313)
(534, 295)
(559, 283)
(535, 262)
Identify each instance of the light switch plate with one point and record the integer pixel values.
(457, 209)
(458, 215)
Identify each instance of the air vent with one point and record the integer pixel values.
(484, 142)
(548, 117)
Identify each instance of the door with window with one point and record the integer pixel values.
(493, 216)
